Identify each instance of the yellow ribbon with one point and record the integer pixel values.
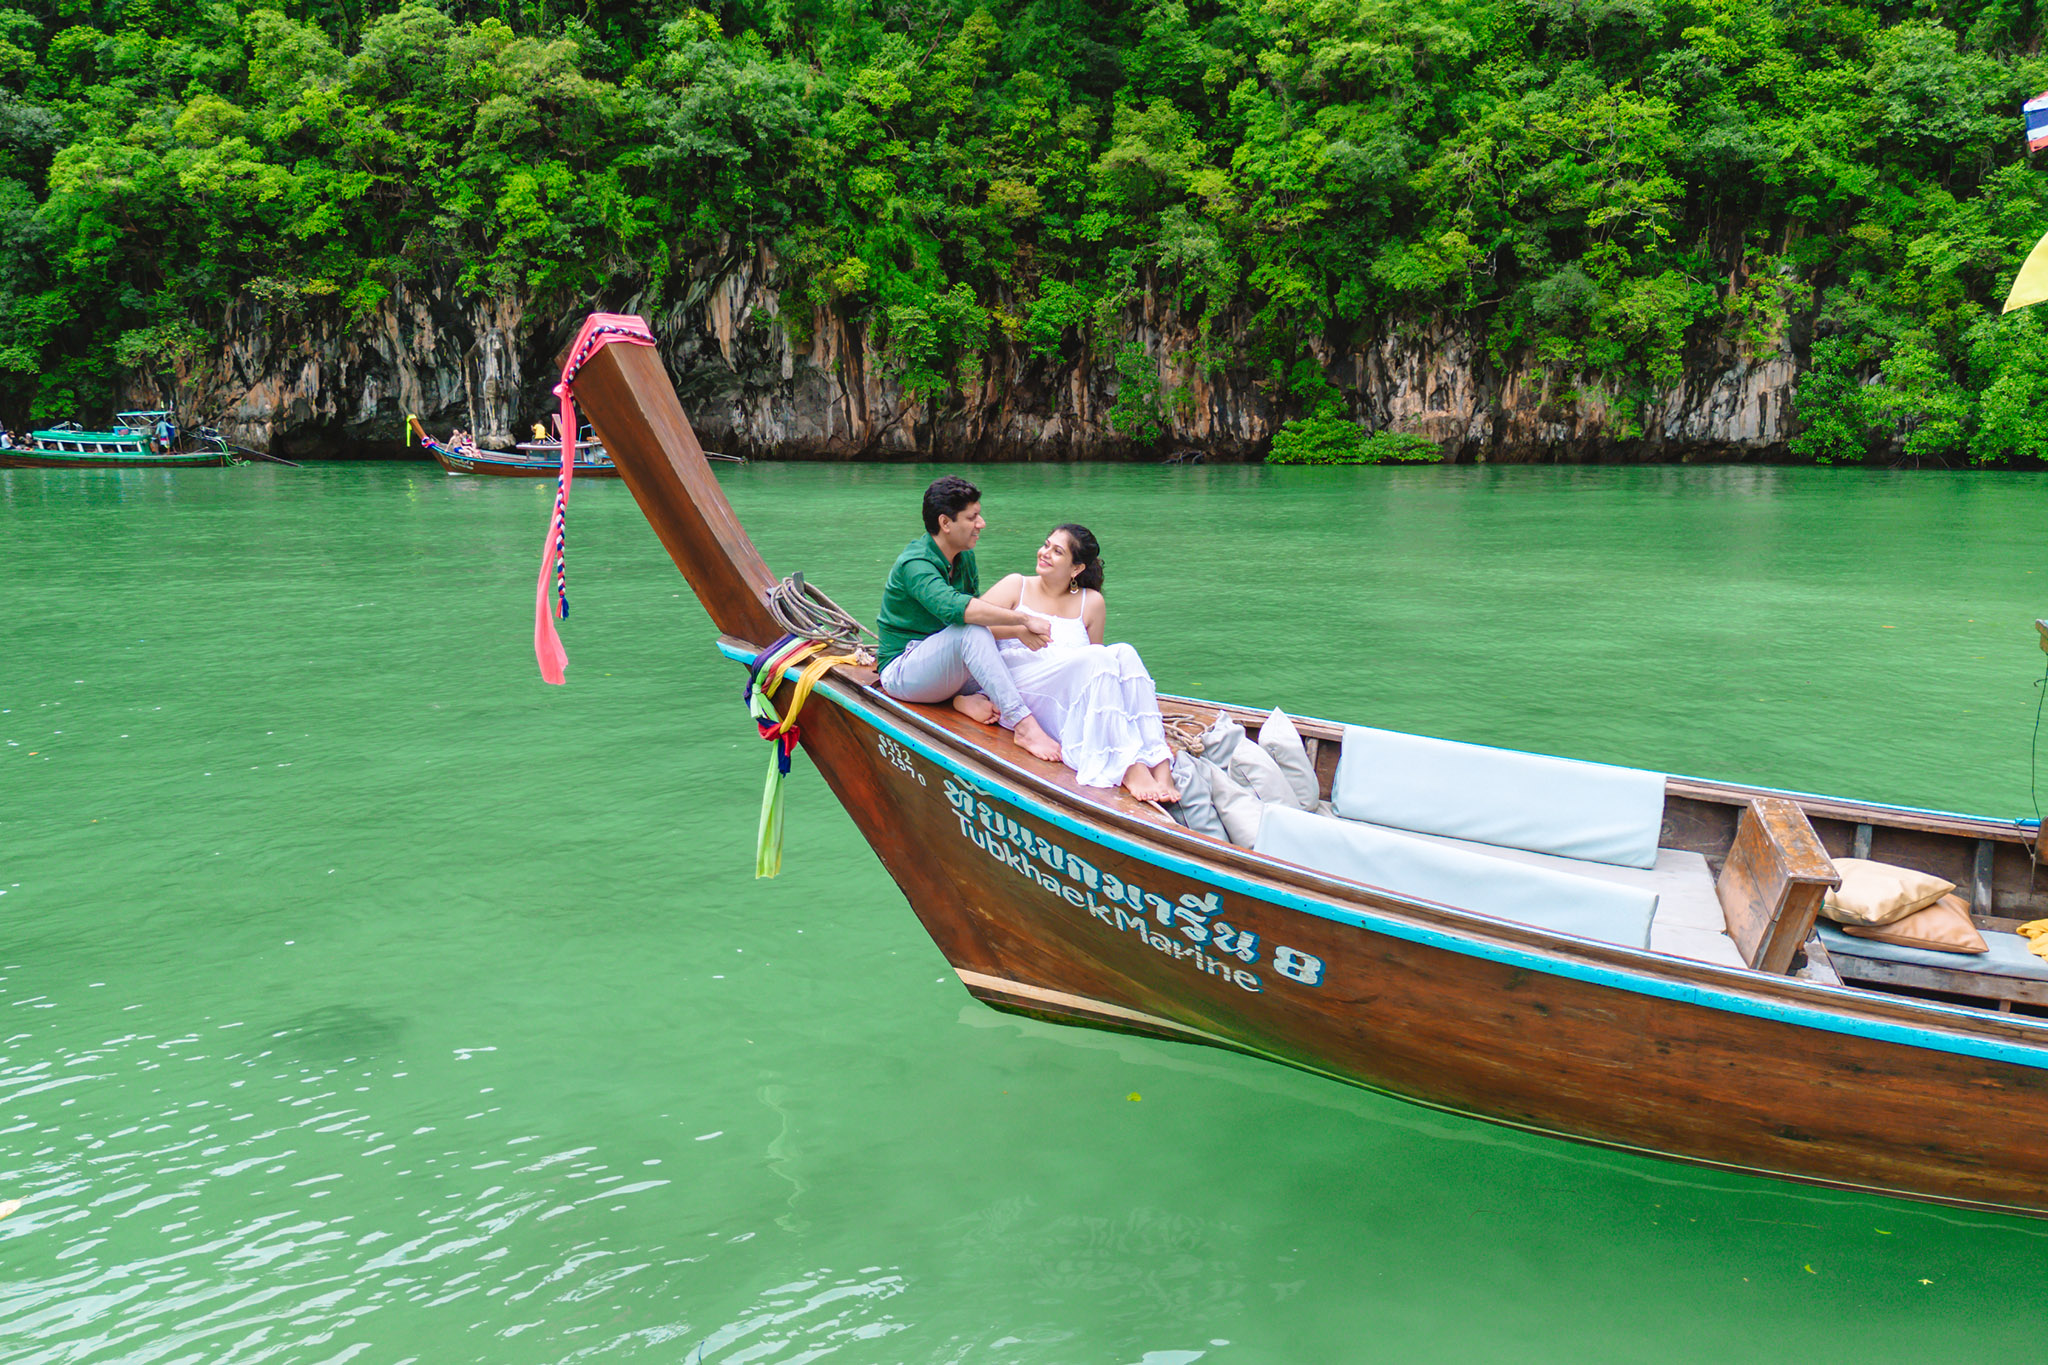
(768, 843)
(806, 680)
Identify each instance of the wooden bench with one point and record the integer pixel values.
(2009, 973)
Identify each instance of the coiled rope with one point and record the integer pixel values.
(807, 613)
(1184, 733)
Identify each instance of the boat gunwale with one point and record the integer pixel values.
(2020, 1040)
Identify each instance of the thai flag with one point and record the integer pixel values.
(2036, 111)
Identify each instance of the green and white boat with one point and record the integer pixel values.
(129, 445)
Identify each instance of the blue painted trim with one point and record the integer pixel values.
(1802, 1016)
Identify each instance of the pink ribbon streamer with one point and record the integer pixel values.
(599, 329)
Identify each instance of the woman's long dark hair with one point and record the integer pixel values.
(1087, 554)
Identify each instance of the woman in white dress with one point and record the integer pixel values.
(1097, 700)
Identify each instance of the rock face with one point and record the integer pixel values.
(756, 382)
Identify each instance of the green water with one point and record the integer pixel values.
(367, 1000)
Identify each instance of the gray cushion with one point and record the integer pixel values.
(1196, 808)
(1279, 737)
(1589, 811)
(2007, 954)
(1434, 871)
(1220, 740)
(1236, 804)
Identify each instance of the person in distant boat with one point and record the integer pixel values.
(166, 434)
(935, 631)
(1097, 700)
(6, 439)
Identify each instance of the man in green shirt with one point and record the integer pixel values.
(937, 636)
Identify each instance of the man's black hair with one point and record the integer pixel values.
(947, 497)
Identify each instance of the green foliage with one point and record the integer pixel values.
(2009, 356)
(1327, 435)
(1137, 412)
(1829, 403)
(1918, 400)
(1338, 440)
(1601, 188)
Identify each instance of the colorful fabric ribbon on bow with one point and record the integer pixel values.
(599, 329)
(782, 731)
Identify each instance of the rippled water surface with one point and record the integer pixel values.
(368, 1000)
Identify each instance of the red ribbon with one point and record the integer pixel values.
(599, 329)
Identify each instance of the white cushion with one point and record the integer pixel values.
(1253, 767)
(1589, 811)
(1700, 944)
(1690, 921)
(1237, 806)
(1279, 737)
(1434, 871)
(1681, 880)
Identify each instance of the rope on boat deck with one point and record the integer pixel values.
(805, 612)
(1185, 732)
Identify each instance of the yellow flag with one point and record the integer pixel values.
(2032, 284)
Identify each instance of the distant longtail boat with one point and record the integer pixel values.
(591, 461)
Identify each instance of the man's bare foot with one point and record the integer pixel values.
(1141, 782)
(976, 707)
(1033, 740)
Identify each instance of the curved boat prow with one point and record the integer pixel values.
(627, 395)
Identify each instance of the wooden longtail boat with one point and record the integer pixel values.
(470, 460)
(591, 461)
(1066, 903)
(127, 446)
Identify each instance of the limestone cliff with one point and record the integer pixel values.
(320, 385)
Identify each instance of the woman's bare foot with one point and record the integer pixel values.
(1141, 782)
(975, 706)
(1033, 740)
(1163, 770)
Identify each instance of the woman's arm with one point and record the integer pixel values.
(997, 609)
(1095, 616)
(1007, 592)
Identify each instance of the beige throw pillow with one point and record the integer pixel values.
(1279, 738)
(1878, 893)
(1220, 740)
(1944, 927)
(1236, 805)
(1255, 768)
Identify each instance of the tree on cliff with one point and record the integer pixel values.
(1603, 186)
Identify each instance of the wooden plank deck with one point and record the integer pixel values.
(1000, 743)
